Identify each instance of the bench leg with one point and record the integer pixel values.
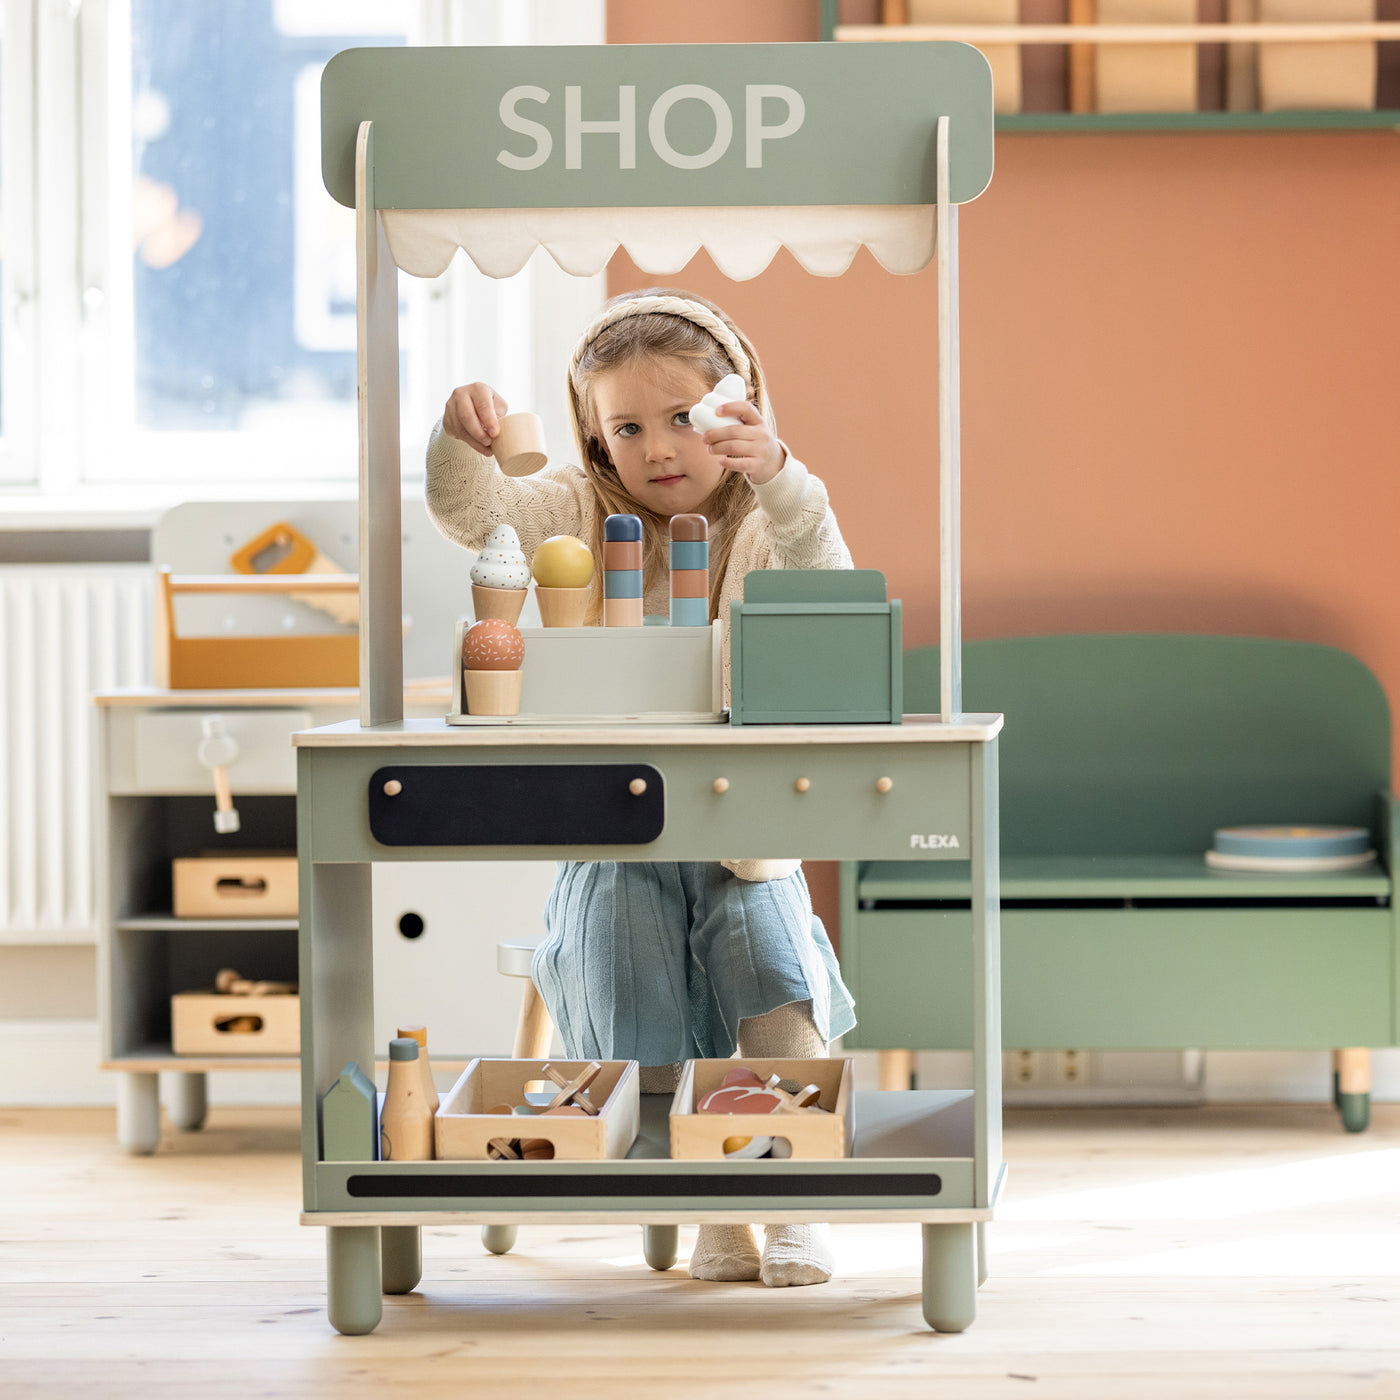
(896, 1069)
(1353, 1079)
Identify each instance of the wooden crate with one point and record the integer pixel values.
(239, 885)
(292, 660)
(198, 1021)
(812, 1135)
(464, 1127)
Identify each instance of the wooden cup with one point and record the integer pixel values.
(493, 692)
(519, 446)
(562, 607)
(503, 603)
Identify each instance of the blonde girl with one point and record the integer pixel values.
(661, 962)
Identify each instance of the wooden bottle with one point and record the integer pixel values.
(406, 1121)
(425, 1069)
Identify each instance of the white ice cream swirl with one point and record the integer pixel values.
(501, 563)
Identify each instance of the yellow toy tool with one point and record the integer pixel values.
(283, 549)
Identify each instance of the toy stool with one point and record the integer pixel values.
(534, 1030)
(533, 1034)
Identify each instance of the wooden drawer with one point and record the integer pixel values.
(240, 885)
(1129, 979)
(205, 1023)
(157, 751)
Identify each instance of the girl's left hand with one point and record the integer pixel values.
(746, 446)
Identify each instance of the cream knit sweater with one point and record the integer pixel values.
(793, 528)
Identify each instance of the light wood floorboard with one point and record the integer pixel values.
(1220, 1252)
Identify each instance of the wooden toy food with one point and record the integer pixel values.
(492, 653)
(622, 571)
(425, 1070)
(500, 577)
(563, 569)
(705, 417)
(406, 1120)
(690, 571)
(519, 446)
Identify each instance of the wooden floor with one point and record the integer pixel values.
(1251, 1252)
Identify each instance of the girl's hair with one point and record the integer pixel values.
(664, 324)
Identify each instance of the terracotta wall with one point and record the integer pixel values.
(1179, 382)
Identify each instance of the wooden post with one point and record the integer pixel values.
(1081, 60)
(381, 531)
(949, 448)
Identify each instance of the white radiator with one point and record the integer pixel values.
(66, 630)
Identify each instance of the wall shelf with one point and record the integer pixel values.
(1090, 122)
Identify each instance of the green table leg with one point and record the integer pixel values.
(660, 1244)
(498, 1239)
(981, 1252)
(401, 1257)
(354, 1302)
(950, 1277)
(1356, 1111)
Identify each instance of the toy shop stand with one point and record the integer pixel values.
(661, 150)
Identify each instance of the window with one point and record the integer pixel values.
(207, 345)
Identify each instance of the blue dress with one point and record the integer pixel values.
(659, 962)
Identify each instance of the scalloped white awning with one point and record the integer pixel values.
(742, 241)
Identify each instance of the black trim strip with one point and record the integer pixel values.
(553, 1186)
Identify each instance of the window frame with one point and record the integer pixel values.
(70, 441)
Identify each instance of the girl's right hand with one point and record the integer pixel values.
(473, 415)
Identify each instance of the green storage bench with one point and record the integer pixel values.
(1121, 756)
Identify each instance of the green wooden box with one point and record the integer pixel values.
(815, 646)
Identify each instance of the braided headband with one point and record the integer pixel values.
(702, 316)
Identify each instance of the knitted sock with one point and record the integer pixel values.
(725, 1254)
(659, 1079)
(796, 1254)
(785, 1033)
(792, 1254)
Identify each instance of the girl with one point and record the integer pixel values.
(665, 962)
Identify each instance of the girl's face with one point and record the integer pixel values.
(643, 413)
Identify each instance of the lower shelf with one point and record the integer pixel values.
(912, 1159)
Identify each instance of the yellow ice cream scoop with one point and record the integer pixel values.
(562, 561)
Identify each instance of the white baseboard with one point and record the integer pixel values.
(53, 1064)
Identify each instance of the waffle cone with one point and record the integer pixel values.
(503, 603)
(562, 607)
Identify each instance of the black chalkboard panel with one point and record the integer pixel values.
(518, 804)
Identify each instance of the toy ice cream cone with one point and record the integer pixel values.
(561, 607)
(502, 603)
(563, 567)
(493, 692)
(500, 577)
(492, 652)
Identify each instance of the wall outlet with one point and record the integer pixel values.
(1069, 1067)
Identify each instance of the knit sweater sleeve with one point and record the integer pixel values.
(468, 496)
(793, 528)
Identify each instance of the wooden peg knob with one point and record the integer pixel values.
(721, 784)
(883, 784)
(637, 786)
(803, 784)
(392, 788)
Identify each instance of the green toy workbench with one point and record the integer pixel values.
(742, 149)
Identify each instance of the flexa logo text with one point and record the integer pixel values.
(771, 112)
(934, 843)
